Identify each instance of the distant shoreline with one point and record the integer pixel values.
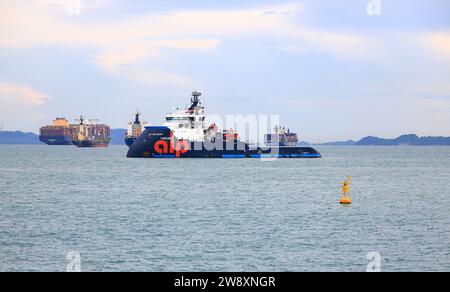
(117, 138)
(22, 138)
(404, 140)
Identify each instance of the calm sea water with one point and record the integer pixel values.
(224, 215)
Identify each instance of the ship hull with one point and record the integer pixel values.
(130, 141)
(91, 143)
(56, 140)
(158, 142)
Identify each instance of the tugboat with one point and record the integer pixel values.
(135, 129)
(186, 135)
(91, 134)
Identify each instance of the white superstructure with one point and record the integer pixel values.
(136, 128)
(189, 123)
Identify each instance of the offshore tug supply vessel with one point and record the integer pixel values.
(185, 135)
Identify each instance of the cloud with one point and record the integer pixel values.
(126, 62)
(70, 7)
(20, 105)
(126, 66)
(127, 56)
(130, 40)
(25, 25)
(438, 44)
(155, 77)
(342, 45)
(22, 95)
(134, 54)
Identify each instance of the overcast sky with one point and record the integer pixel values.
(328, 68)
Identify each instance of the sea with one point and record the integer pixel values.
(63, 208)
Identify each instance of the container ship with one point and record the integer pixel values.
(281, 137)
(59, 133)
(186, 135)
(134, 130)
(91, 134)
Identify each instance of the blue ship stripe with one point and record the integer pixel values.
(164, 156)
(269, 156)
(307, 155)
(157, 128)
(233, 155)
(310, 155)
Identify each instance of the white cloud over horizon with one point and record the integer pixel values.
(21, 94)
(20, 103)
(438, 43)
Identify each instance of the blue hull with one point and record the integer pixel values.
(130, 141)
(157, 142)
(99, 143)
(56, 140)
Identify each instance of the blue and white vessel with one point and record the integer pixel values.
(186, 135)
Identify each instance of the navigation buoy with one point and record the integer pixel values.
(345, 197)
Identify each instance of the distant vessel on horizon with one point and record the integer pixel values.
(281, 137)
(59, 133)
(134, 129)
(91, 134)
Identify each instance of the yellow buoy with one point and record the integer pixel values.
(345, 197)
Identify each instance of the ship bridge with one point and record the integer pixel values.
(189, 123)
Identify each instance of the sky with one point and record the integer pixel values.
(332, 70)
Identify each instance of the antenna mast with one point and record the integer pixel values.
(195, 99)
